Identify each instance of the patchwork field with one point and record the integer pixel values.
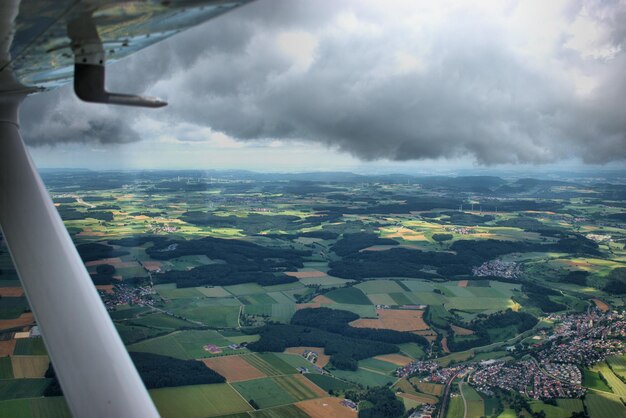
(398, 320)
(29, 366)
(397, 359)
(430, 388)
(325, 408)
(265, 393)
(269, 364)
(322, 359)
(233, 368)
(198, 401)
(181, 344)
(191, 235)
(602, 406)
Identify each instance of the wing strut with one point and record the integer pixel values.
(90, 360)
(90, 69)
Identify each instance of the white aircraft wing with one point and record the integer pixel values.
(45, 44)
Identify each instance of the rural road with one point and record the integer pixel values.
(464, 400)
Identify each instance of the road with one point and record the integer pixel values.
(464, 400)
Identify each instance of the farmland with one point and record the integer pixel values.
(209, 267)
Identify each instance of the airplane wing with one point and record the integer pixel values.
(45, 44)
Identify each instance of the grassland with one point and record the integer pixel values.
(364, 377)
(349, 295)
(6, 368)
(181, 344)
(618, 365)
(30, 347)
(35, 408)
(456, 408)
(286, 411)
(615, 383)
(329, 383)
(198, 401)
(265, 393)
(145, 208)
(475, 403)
(22, 388)
(602, 406)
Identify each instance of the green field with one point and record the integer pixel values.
(348, 295)
(618, 387)
(285, 411)
(127, 312)
(181, 344)
(132, 334)
(270, 364)
(456, 408)
(591, 379)
(30, 347)
(412, 350)
(564, 409)
(6, 369)
(295, 360)
(12, 307)
(604, 406)
(618, 365)
(170, 291)
(160, 320)
(209, 312)
(364, 377)
(265, 392)
(379, 286)
(328, 383)
(296, 387)
(475, 403)
(35, 408)
(376, 365)
(22, 388)
(198, 401)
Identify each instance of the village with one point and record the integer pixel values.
(546, 369)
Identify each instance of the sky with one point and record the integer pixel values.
(360, 85)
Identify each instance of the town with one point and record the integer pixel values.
(548, 369)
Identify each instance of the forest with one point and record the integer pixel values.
(156, 371)
(344, 351)
(337, 321)
(521, 320)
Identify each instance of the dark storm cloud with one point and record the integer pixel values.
(356, 77)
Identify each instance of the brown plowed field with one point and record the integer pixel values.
(233, 368)
(312, 305)
(397, 359)
(398, 320)
(7, 347)
(461, 331)
(326, 407)
(114, 261)
(444, 345)
(107, 288)
(323, 300)
(603, 306)
(305, 274)
(13, 292)
(419, 398)
(152, 265)
(22, 320)
(322, 359)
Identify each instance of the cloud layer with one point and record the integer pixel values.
(499, 82)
